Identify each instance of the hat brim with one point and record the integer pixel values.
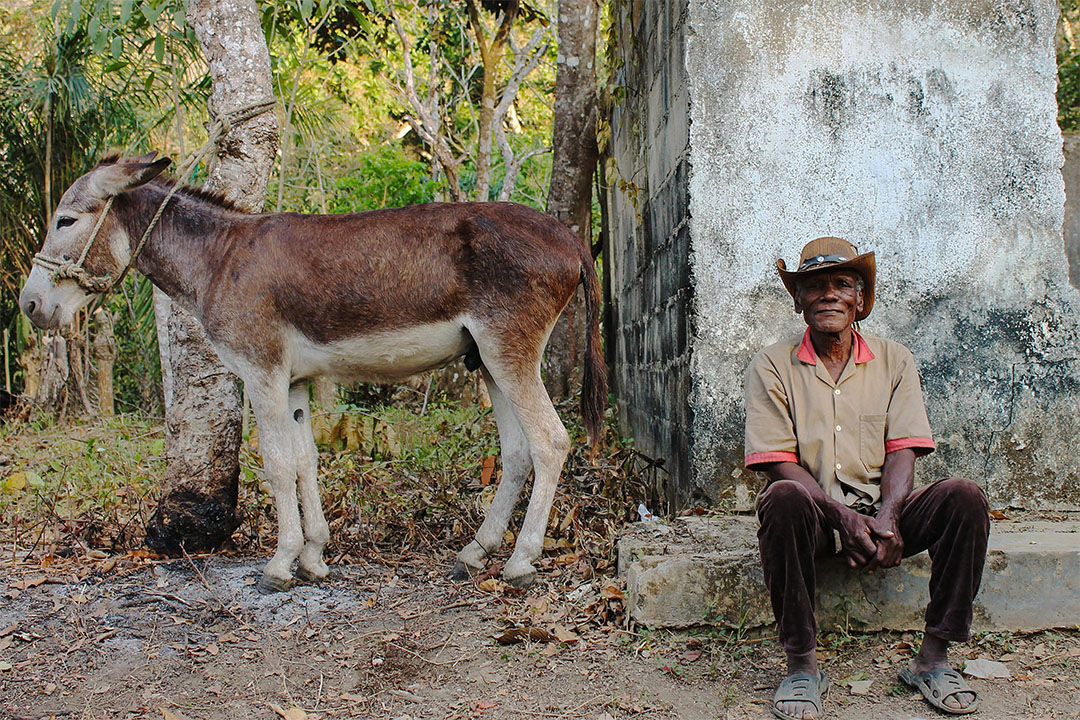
(864, 265)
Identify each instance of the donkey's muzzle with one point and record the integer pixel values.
(34, 305)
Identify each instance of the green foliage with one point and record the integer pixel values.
(383, 177)
(87, 483)
(1068, 60)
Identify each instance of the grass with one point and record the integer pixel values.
(393, 479)
(70, 487)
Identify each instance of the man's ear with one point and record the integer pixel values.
(125, 174)
(798, 305)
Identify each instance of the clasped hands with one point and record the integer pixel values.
(869, 541)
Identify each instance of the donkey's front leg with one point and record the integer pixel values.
(311, 567)
(271, 406)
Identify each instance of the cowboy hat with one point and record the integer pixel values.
(832, 253)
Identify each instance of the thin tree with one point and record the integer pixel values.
(573, 164)
(203, 418)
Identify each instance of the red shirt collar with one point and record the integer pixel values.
(807, 355)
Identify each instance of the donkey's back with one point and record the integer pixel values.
(384, 294)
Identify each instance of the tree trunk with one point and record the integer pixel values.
(105, 355)
(202, 416)
(574, 155)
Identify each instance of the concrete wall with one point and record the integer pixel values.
(924, 131)
(648, 249)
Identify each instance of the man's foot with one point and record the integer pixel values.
(800, 696)
(943, 687)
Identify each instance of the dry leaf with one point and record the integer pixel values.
(690, 656)
(487, 471)
(4, 665)
(518, 634)
(612, 591)
(167, 714)
(29, 582)
(491, 585)
(565, 635)
(998, 515)
(860, 687)
(983, 668)
(293, 713)
(8, 630)
(212, 648)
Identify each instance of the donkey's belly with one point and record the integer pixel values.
(386, 356)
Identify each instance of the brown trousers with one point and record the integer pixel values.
(948, 518)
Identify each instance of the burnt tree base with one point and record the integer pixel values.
(190, 521)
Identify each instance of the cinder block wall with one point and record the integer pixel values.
(648, 250)
(924, 131)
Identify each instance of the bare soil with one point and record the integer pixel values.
(137, 637)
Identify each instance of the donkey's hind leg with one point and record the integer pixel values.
(311, 567)
(549, 445)
(516, 464)
(270, 401)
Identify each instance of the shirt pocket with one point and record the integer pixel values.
(872, 440)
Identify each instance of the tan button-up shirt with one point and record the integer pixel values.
(839, 430)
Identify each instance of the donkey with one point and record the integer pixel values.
(374, 296)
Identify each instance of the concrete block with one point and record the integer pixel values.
(705, 571)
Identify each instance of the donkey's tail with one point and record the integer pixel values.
(594, 376)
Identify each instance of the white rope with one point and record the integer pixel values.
(100, 284)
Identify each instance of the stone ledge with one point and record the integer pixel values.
(705, 571)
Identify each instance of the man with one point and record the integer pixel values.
(835, 420)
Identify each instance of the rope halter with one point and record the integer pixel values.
(63, 270)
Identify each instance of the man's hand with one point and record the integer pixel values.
(856, 537)
(890, 546)
(869, 541)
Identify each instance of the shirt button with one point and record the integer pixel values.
(836, 392)
(837, 428)
(837, 466)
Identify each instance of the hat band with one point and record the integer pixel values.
(812, 262)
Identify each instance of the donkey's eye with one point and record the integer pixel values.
(64, 221)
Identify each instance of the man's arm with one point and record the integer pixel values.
(857, 531)
(897, 480)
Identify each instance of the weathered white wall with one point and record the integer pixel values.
(924, 131)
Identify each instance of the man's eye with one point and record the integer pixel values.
(64, 221)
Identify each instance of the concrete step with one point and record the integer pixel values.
(706, 571)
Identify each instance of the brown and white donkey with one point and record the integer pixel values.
(375, 296)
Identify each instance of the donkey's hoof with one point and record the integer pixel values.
(462, 572)
(522, 581)
(269, 584)
(308, 576)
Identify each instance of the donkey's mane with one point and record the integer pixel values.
(212, 197)
(166, 181)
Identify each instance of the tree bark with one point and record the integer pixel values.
(202, 416)
(490, 54)
(574, 155)
(105, 355)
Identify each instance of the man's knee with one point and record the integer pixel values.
(964, 492)
(784, 501)
(964, 495)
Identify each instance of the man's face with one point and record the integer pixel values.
(829, 300)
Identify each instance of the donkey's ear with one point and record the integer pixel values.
(109, 180)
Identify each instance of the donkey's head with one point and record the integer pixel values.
(85, 242)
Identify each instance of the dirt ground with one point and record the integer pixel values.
(135, 637)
